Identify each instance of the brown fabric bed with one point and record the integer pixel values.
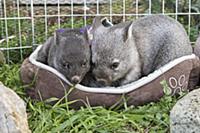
(43, 84)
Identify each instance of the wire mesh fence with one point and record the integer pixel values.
(27, 23)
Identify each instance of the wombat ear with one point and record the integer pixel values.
(105, 22)
(128, 32)
(88, 34)
(56, 38)
(99, 21)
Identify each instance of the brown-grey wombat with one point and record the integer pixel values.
(68, 51)
(126, 51)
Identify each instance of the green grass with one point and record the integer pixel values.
(59, 118)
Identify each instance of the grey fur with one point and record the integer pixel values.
(89, 79)
(68, 51)
(140, 46)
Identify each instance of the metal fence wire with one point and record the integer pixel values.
(27, 23)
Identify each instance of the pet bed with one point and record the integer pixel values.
(44, 82)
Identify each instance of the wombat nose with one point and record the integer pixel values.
(75, 79)
(102, 81)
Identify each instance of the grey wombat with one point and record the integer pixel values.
(124, 52)
(68, 51)
(89, 79)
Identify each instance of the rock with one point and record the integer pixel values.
(13, 117)
(185, 115)
(197, 47)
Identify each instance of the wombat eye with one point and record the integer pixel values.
(115, 65)
(84, 64)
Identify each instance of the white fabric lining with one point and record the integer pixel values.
(112, 90)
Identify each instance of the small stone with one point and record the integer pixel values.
(185, 115)
(13, 117)
(197, 47)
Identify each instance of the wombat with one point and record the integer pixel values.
(68, 51)
(127, 51)
(89, 79)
